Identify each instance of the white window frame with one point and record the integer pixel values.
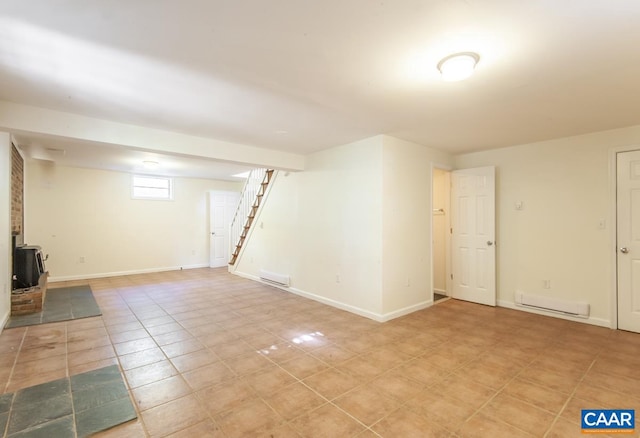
(169, 180)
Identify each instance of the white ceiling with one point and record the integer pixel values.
(301, 76)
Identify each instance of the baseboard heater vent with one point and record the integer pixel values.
(573, 308)
(272, 277)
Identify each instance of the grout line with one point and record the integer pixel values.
(498, 391)
(15, 361)
(566, 403)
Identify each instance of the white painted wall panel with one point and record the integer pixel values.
(74, 213)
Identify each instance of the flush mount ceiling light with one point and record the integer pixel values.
(148, 164)
(458, 66)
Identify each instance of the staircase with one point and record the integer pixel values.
(250, 201)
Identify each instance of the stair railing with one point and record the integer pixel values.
(247, 201)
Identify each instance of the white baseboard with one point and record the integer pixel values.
(590, 320)
(120, 273)
(405, 311)
(4, 319)
(440, 291)
(340, 305)
(336, 304)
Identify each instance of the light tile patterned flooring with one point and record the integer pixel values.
(205, 353)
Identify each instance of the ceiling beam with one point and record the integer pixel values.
(17, 118)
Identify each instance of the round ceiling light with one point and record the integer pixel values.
(458, 66)
(150, 165)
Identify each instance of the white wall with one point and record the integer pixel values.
(74, 212)
(564, 186)
(6, 270)
(325, 223)
(407, 221)
(360, 212)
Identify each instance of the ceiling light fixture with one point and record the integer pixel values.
(458, 66)
(150, 165)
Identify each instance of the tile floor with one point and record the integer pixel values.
(208, 354)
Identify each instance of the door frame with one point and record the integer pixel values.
(613, 229)
(447, 208)
(227, 246)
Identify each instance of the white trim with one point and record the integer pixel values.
(5, 318)
(340, 305)
(613, 229)
(440, 291)
(447, 207)
(590, 320)
(405, 311)
(121, 273)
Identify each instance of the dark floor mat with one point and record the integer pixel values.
(61, 304)
(98, 398)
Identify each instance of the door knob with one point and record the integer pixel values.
(489, 242)
(624, 250)
(213, 234)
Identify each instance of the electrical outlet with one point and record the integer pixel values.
(546, 284)
(81, 260)
(337, 278)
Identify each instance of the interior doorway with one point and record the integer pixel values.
(222, 207)
(628, 239)
(440, 236)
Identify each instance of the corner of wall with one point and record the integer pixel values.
(6, 270)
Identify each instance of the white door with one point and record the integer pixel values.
(628, 230)
(473, 235)
(222, 207)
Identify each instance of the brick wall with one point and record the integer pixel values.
(17, 192)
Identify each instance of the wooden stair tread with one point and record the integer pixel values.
(252, 214)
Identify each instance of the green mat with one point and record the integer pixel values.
(61, 304)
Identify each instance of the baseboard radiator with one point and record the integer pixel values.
(573, 308)
(272, 277)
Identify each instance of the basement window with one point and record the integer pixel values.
(151, 187)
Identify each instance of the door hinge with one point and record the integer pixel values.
(450, 230)
(452, 276)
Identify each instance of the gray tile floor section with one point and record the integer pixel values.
(97, 400)
(61, 304)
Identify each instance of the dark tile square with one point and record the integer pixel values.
(104, 417)
(28, 416)
(3, 421)
(99, 395)
(56, 316)
(24, 320)
(95, 378)
(60, 428)
(61, 304)
(5, 403)
(41, 393)
(85, 310)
